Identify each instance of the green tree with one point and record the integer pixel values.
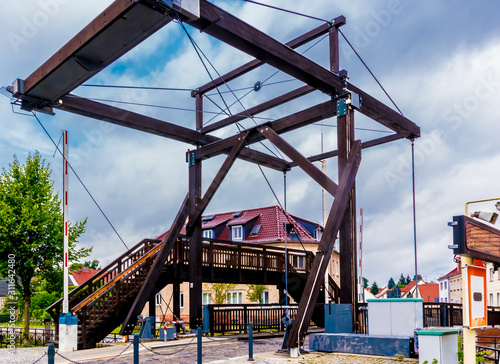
(402, 281)
(255, 291)
(94, 264)
(365, 282)
(31, 229)
(374, 288)
(220, 292)
(391, 284)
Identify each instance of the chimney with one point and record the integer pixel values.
(85, 269)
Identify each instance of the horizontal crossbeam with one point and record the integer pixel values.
(283, 125)
(129, 119)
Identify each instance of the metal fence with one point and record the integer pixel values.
(37, 337)
(235, 318)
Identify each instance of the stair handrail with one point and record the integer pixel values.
(104, 272)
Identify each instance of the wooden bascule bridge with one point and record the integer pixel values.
(121, 291)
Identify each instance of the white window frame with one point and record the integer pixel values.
(234, 295)
(234, 230)
(208, 233)
(206, 297)
(158, 299)
(265, 297)
(181, 299)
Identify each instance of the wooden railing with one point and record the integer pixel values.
(100, 298)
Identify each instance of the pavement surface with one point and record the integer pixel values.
(184, 351)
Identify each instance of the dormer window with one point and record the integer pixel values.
(237, 233)
(209, 233)
(292, 232)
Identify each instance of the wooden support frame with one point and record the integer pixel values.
(325, 248)
(102, 42)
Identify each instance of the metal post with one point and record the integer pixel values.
(51, 353)
(250, 342)
(199, 331)
(469, 335)
(65, 218)
(136, 349)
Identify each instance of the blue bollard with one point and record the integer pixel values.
(199, 331)
(136, 349)
(51, 353)
(250, 342)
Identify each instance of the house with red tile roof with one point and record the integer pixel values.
(444, 285)
(260, 226)
(77, 277)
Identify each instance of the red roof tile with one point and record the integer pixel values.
(429, 292)
(272, 220)
(81, 276)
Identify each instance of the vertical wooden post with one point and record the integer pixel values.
(347, 233)
(334, 50)
(176, 297)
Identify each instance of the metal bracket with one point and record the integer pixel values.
(191, 159)
(189, 8)
(342, 107)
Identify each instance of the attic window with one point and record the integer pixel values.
(255, 230)
(207, 218)
(237, 214)
(292, 231)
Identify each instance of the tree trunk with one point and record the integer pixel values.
(27, 304)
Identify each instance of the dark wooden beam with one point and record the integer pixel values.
(214, 186)
(81, 106)
(119, 28)
(347, 230)
(289, 96)
(247, 67)
(364, 145)
(233, 31)
(283, 125)
(195, 247)
(314, 172)
(325, 248)
(157, 267)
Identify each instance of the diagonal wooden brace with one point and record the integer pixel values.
(315, 279)
(214, 186)
(314, 172)
(157, 267)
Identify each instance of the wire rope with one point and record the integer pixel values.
(81, 182)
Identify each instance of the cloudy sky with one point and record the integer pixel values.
(438, 61)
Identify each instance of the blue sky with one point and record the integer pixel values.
(437, 60)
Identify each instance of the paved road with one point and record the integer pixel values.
(177, 352)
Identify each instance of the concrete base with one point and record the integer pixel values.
(362, 344)
(68, 333)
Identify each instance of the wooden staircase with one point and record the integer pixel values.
(102, 302)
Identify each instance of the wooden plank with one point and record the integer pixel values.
(325, 248)
(247, 67)
(285, 124)
(289, 96)
(214, 186)
(314, 172)
(157, 267)
(233, 31)
(130, 119)
(119, 28)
